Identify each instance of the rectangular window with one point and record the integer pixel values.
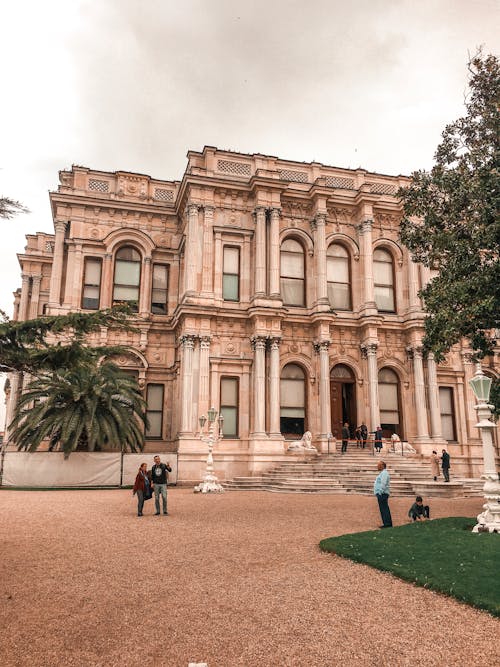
(91, 284)
(154, 399)
(231, 274)
(447, 414)
(159, 291)
(229, 403)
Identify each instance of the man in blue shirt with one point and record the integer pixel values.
(381, 489)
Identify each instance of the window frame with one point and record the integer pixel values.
(134, 309)
(87, 260)
(303, 303)
(391, 286)
(237, 406)
(227, 273)
(447, 414)
(167, 270)
(289, 435)
(149, 411)
(349, 276)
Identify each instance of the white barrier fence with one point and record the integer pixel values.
(88, 469)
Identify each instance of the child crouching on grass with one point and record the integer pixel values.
(418, 511)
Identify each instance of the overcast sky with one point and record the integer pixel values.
(134, 84)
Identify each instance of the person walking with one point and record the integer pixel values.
(378, 439)
(364, 433)
(142, 487)
(345, 437)
(381, 490)
(435, 465)
(159, 474)
(445, 465)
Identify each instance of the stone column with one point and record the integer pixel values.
(107, 281)
(324, 388)
(434, 408)
(420, 405)
(413, 298)
(35, 296)
(274, 388)
(57, 265)
(259, 385)
(187, 346)
(319, 230)
(204, 386)
(24, 302)
(369, 350)
(208, 264)
(145, 289)
(75, 298)
(218, 265)
(190, 266)
(274, 254)
(260, 251)
(366, 243)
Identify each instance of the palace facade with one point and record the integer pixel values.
(276, 291)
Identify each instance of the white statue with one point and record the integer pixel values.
(303, 445)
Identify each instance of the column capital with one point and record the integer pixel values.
(192, 208)
(318, 220)
(208, 209)
(25, 277)
(258, 342)
(415, 351)
(36, 278)
(369, 349)
(321, 345)
(274, 342)
(259, 212)
(365, 226)
(205, 342)
(275, 211)
(60, 225)
(187, 341)
(147, 260)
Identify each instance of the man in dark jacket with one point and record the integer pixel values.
(445, 465)
(159, 475)
(345, 437)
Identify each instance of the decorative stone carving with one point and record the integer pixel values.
(303, 445)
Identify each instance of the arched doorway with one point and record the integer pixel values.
(343, 399)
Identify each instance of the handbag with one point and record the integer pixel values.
(148, 492)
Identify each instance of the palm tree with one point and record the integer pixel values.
(87, 407)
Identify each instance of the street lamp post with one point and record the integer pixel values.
(489, 520)
(212, 435)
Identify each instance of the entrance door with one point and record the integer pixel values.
(343, 399)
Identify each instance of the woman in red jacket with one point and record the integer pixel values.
(143, 487)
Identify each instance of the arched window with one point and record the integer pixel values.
(127, 277)
(383, 279)
(293, 401)
(337, 275)
(292, 273)
(388, 390)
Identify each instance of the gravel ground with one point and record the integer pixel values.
(232, 579)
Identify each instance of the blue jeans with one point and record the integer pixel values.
(161, 488)
(385, 512)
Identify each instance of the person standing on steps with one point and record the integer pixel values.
(435, 465)
(364, 433)
(378, 439)
(445, 465)
(381, 489)
(159, 474)
(345, 437)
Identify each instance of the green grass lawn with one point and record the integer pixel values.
(443, 555)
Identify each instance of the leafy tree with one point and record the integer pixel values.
(88, 407)
(57, 341)
(10, 207)
(451, 221)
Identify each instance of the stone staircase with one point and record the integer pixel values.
(354, 472)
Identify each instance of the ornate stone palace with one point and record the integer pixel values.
(276, 291)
